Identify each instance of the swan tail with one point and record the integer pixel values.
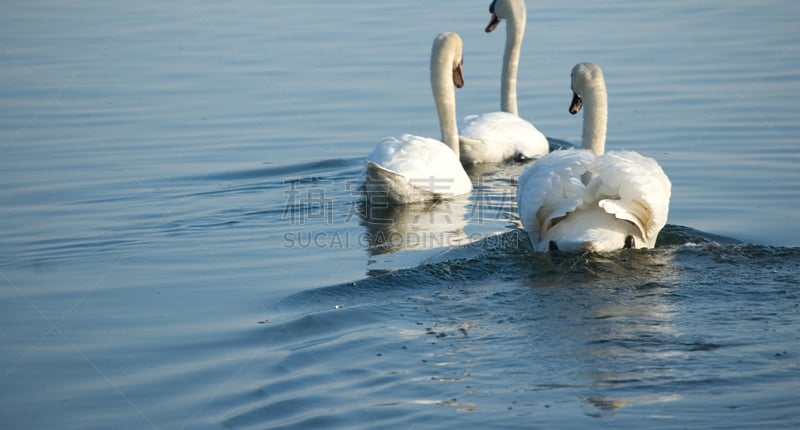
(382, 183)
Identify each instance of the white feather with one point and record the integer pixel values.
(499, 136)
(414, 169)
(628, 195)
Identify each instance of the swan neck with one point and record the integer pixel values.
(595, 119)
(444, 96)
(515, 31)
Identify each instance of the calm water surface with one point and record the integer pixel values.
(183, 244)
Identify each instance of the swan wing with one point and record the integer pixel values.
(499, 136)
(634, 188)
(551, 188)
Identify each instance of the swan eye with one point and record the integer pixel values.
(491, 6)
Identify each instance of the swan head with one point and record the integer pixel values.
(504, 9)
(586, 77)
(449, 47)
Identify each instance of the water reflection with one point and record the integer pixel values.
(416, 226)
(616, 313)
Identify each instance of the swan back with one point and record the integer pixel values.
(581, 201)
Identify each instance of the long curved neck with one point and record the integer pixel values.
(515, 31)
(595, 118)
(444, 96)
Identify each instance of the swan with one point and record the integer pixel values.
(501, 136)
(587, 199)
(411, 169)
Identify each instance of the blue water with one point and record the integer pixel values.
(182, 244)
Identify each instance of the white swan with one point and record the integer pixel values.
(588, 200)
(409, 169)
(501, 136)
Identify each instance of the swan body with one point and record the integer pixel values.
(411, 169)
(495, 137)
(587, 199)
(501, 136)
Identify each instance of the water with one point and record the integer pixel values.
(183, 246)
